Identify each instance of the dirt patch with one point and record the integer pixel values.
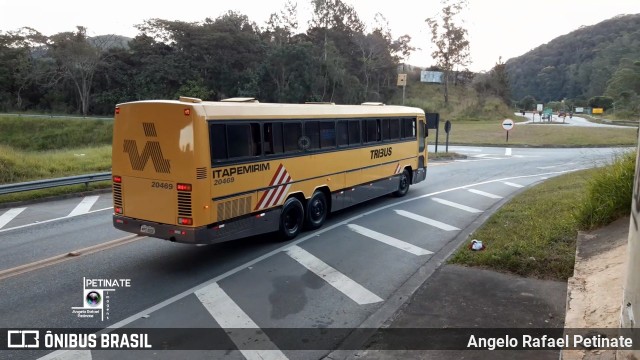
(594, 293)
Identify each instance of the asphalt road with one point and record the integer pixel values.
(336, 277)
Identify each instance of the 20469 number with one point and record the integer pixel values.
(161, 185)
(226, 180)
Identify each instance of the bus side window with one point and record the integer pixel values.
(394, 129)
(218, 142)
(256, 143)
(385, 129)
(408, 128)
(292, 133)
(373, 133)
(273, 138)
(354, 132)
(327, 134)
(244, 140)
(312, 131)
(342, 133)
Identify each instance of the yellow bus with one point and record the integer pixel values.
(194, 171)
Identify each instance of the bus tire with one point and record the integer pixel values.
(291, 218)
(317, 209)
(403, 186)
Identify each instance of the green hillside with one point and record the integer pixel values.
(578, 65)
(464, 102)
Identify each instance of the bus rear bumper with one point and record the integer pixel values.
(215, 233)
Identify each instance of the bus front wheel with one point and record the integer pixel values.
(316, 210)
(291, 218)
(403, 186)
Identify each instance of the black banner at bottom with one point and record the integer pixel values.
(318, 339)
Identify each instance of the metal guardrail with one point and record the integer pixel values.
(59, 116)
(49, 183)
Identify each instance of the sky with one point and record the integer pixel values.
(497, 28)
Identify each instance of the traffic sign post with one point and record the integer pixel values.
(507, 124)
(447, 129)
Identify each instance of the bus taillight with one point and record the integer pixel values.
(117, 209)
(185, 221)
(187, 112)
(117, 110)
(117, 179)
(183, 187)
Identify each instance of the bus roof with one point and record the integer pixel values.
(246, 109)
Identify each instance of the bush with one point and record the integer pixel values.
(609, 193)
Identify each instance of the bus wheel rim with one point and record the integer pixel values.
(317, 210)
(291, 220)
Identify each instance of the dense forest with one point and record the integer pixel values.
(596, 65)
(336, 59)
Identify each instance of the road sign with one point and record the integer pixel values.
(539, 107)
(447, 126)
(402, 79)
(507, 124)
(597, 110)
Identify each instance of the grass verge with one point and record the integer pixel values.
(534, 234)
(43, 134)
(18, 166)
(491, 133)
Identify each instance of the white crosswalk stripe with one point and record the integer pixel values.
(457, 206)
(485, 194)
(338, 280)
(10, 215)
(513, 184)
(230, 316)
(426, 220)
(84, 206)
(402, 245)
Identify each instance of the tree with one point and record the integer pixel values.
(450, 41)
(603, 102)
(77, 58)
(527, 103)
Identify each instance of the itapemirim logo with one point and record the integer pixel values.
(151, 150)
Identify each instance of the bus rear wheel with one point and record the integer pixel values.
(317, 210)
(403, 186)
(291, 218)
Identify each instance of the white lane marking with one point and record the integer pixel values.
(456, 205)
(544, 178)
(484, 193)
(426, 220)
(52, 220)
(335, 278)
(475, 158)
(230, 316)
(481, 155)
(555, 166)
(9, 215)
(84, 206)
(507, 152)
(513, 184)
(71, 355)
(402, 245)
(311, 235)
